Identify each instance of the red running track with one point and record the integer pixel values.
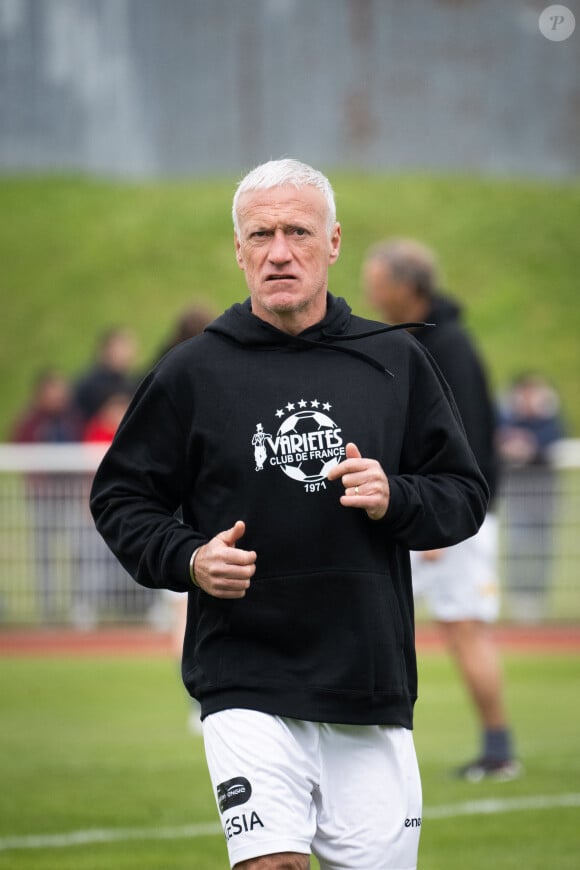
(143, 641)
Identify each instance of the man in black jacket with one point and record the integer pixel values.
(293, 439)
(459, 583)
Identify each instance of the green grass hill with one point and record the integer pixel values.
(79, 255)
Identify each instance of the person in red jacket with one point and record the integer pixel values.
(101, 427)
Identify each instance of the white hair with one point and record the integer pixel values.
(275, 173)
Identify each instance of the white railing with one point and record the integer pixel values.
(55, 568)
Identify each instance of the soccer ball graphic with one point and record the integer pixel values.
(312, 469)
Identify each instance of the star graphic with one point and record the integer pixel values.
(279, 412)
(290, 406)
(302, 403)
(327, 406)
(315, 403)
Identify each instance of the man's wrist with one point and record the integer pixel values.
(192, 567)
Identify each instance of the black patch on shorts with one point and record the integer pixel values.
(233, 792)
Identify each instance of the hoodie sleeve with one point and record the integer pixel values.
(138, 490)
(439, 496)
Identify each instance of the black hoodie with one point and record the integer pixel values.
(455, 353)
(243, 422)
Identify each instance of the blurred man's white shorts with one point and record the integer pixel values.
(462, 583)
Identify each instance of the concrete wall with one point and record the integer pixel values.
(174, 87)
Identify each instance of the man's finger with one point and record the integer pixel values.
(231, 536)
(352, 451)
(350, 464)
(233, 560)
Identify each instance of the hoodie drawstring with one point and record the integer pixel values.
(306, 342)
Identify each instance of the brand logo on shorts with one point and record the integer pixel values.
(244, 823)
(413, 823)
(233, 792)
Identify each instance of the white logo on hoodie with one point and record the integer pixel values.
(306, 446)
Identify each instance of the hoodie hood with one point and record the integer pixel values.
(240, 325)
(444, 310)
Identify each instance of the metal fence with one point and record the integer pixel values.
(54, 566)
(183, 87)
(56, 570)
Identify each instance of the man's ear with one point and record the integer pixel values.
(238, 247)
(335, 238)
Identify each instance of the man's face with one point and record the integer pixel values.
(385, 295)
(54, 396)
(120, 351)
(284, 247)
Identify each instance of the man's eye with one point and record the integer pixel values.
(299, 231)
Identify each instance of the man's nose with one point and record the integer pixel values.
(279, 248)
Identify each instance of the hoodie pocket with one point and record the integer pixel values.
(336, 633)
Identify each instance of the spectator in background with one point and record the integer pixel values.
(111, 373)
(460, 582)
(530, 424)
(49, 419)
(101, 427)
(102, 586)
(101, 396)
(191, 322)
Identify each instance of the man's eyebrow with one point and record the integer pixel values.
(302, 225)
(258, 228)
(287, 226)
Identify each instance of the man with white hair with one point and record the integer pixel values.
(459, 583)
(300, 638)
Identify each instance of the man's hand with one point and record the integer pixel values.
(365, 483)
(221, 569)
(432, 555)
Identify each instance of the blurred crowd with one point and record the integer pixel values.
(88, 408)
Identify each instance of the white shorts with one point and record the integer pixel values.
(462, 583)
(349, 794)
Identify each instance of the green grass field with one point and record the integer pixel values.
(79, 255)
(97, 750)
